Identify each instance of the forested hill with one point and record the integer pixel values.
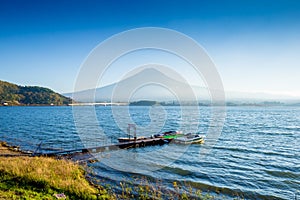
(11, 94)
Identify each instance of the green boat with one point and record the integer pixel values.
(172, 136)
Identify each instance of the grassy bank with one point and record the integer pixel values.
(42, 178)
(24, 177)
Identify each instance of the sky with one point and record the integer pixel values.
(255, 45)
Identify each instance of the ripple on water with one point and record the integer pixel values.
(256, 156)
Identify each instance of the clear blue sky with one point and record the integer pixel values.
(254, 44)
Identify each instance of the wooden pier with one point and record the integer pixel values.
(117, 146)
(128, 142)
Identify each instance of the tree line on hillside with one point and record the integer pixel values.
(11, 94)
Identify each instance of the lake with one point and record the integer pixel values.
(257, 154)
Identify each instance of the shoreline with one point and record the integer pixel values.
(34, 105)
(8, 150)
(18, 165)
(23, 175)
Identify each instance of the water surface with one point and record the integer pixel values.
(256, 156)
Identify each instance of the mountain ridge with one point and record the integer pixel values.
(12, 94)
(155, 93)
(160, 87)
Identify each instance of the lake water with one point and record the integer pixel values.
(257, 155)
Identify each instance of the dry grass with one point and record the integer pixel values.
(24, 177)
(59, 173)
(47, 175)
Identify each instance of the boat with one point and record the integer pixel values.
(165, 137)
(190, 139)
(130, 139)
(169, 135)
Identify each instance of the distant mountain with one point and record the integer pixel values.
(165, 87)
(147, 84)
(12, 94)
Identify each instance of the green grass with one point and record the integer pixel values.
(41, 178)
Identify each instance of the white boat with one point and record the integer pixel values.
(130, 139)
(190, 139)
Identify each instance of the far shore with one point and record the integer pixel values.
(45, 105)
